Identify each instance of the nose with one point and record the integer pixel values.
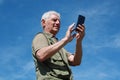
(58, 21)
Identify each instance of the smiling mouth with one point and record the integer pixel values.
(56, 26)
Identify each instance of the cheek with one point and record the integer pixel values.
(49, 25)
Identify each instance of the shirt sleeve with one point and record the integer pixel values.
(39, 42)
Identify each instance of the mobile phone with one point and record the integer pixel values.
(81, 20)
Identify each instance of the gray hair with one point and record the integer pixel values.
(46, 15)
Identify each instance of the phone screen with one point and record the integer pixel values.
(81, 20)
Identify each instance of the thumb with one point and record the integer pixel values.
(71, 26)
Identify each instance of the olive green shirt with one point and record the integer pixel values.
(54, 68)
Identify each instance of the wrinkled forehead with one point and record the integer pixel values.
(54, 16)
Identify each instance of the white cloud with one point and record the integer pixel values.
(103, 70)
(1, 2)
(14, 60)
(102, 75)
(98, 25)
(116, 41)
(102, 9)
(112, 42)
(26, 72)
(11, 53)
(28, 66)
(94, 45)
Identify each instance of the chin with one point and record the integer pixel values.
(55, 31)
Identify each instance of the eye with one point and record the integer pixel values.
(54, 20)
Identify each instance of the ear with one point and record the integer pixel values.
(43, 23)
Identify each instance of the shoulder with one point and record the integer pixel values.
(39, 34)
(39, 37)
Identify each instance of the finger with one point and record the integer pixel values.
(80, 27)
(77, 36)
(71, 27)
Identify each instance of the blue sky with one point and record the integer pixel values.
(20, 21)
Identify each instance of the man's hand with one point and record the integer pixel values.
(80, 33)
(76, 58)
(69, 37)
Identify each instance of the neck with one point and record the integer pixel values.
(52, 32)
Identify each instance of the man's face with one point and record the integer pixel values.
(52, 24)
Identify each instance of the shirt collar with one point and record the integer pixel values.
(49, 35)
